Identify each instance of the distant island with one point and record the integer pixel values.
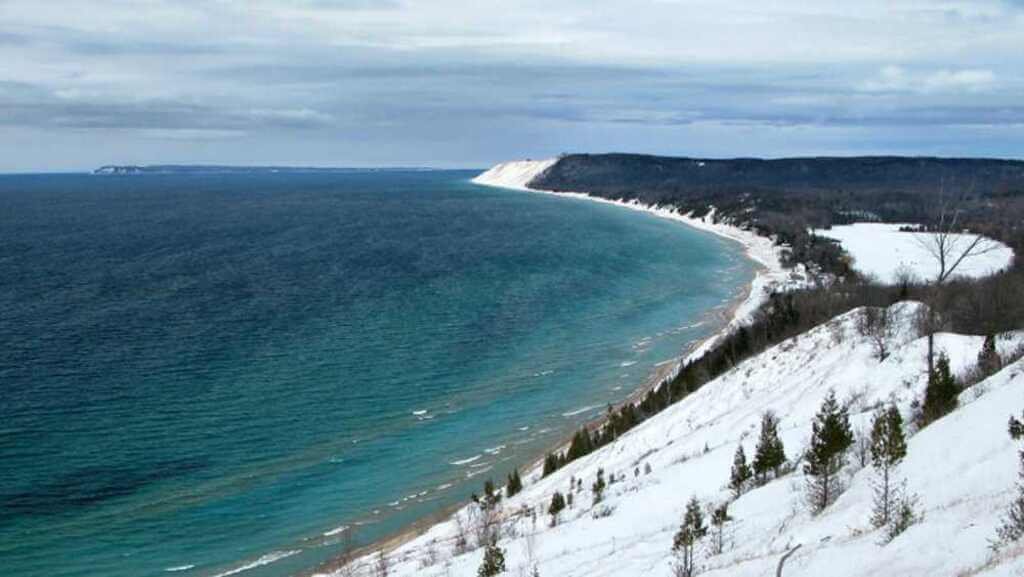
(131, 169)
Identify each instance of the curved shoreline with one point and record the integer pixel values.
(768, 274)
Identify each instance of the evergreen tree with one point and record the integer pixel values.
(740, 472)
(580, 446)
(689, 534)
(598, 487)
(514, 484)
(904, 513)
(888, 447)
(491, 497)
(557, 506)
(719, 517)
(1012, 528)
(1016, 428)
(494, 561)
(831, 436)
(940, 395)
(769, 455)
(550, 464)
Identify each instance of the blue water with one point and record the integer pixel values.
(201, 371)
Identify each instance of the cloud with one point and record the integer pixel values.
(445, 78)
(898, 79)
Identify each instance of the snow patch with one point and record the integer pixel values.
(882, 251)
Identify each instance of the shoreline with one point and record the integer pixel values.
(768, 273)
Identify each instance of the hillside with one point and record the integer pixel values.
(963, 467)
(884, 184)
(786, 197)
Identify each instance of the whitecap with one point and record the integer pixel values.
(179, 568)
(472, 474)
(336, 531)
(579, 411)
(494, 450)
(627, 363)
(465, 461)
(443, 486)
(526, 428)
(264, 560)
(420, 412)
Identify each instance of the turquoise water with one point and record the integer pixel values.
(204, 373)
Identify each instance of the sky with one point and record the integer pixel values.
(453, 83)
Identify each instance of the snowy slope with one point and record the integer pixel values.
(963, 467)
(881, 250)
(515, 174)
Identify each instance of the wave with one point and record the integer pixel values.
(472, 474)
(336, 531)
(575, 412)
(443, 486)
(179, 568)
(420, 412)
(494, 450)
(627, 363)
(264, 560)
(465, 461)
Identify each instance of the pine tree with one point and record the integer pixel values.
(940, 395)
(514, 484)
(719, 517)
(598, 487)
(904, 513)
(769, 455)
(831, 436)
(491, 497)
(494, 561)
(1012, 528)
(550, 464)
(740, 472)
(556, 507)
(888, 447)
(580, 446)
(690, 532)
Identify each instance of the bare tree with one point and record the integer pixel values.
(461, 541)
(876, 324)
(348, 564)
(381, 566)
(949, 246)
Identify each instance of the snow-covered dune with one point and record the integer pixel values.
(883, 252)
(963, 467)
(515, 174)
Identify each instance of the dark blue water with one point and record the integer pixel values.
(216, 371)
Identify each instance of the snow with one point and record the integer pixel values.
(962, 466)
(882, 251)
(516, 174)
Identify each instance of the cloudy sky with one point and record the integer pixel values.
(466, 83)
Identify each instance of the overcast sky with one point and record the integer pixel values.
(467, 83)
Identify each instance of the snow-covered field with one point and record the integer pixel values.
(882, 251)
(963, 467)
